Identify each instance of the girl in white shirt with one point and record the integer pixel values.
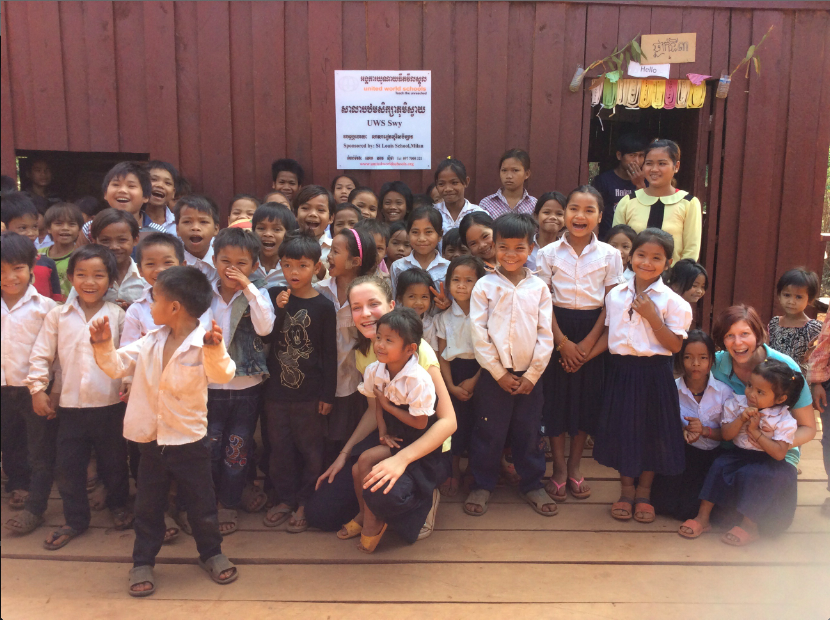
(416, 290)
(451, 181)
(580, 270)
(639, 432)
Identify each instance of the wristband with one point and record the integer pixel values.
(562, 344)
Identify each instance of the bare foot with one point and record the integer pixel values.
(142, 587)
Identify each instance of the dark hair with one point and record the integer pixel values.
(428, 190)
(124, 168)
(237, 238)
(184, 187)
(548, 196)
(199, 203)
(277, 212)
(784, 380)
(430, 214)
(670, 147)
(515, 226)
(519, 154)
(465, 260)
(457, 168)
(401, 188)
(368, 250)
(41, 203)
(374, 227)
(591, 191)
(63, 211)
(342, 176)
(421, 200)
(406, 323)
(249, 197)
(90, 252)
(157, 164)
(18, 250)
(160, 238)
(695, 335)
(7, 184)
(655, 235)
(187, 285)
(309, 192)
(110, 216)
(396, 227)
(360, 190)
(271, 193)
(89, 205)
(299, 244)
(343, 206)
(451, 239)
(733, 314)
(683, 274)
(799, 278)
(287, 165)
(631, 143)
(624, 229)
(482, 218)
(385, 287)
(14, 205)
(411, 277)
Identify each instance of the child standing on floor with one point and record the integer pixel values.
(512, 197)
(271, 222)
(167, 417)
(580, 271)
(63, 221)
(476, 230)
(451, 180)
(795, 333)
(90, 414)
(197, 222)
(511, 314)
(424, 229)
(550, 216)
(118, 231)
(416, 291)
(639, 432)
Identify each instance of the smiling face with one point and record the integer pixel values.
(196, 229)
(512, 253)
(463, 280)
(794, 299)
(398, 246)
(270, 233)
(696, 361)
(163, 188)
(346, 218)
(343, 186)
(513, 174)
(740, 342)
(367, 202)
(120, 241)
(340, 261)
(14, 280)
(659, 168)
(417, 297)
(299, 272)
(287, 183)
(480, 242)
(622, 243)
(242, 209)
(230, 256)
(760, 393)
(90, 280)
(450, 187)
(390, 347)
(582, 215)
(423, 237)
(125, 194)
(64, 232)
(314, 215)
(154, 260)
(394, 207)
(551, 217)
(649, 261)
(368, 303)
(697, 291)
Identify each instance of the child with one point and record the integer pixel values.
(287, 176)
(688, 279)
(580, 271)
(424, 229)
(90, 206)
(276, 196)
(90, 414)
(197, 222)
(164, 181)
(625, 179)
(167, 416)
(433, 193)
(341, 187)
(451, 245)
(398, 246)
(380, 232)
(303, 368)
(314, 208)
(395, 201)
(421, 200)
(242, 207)
(405, 405)
(245, 314)
(40, 177)
(550, 216)
(346, 215)
(457, 357)
(365, 200)
(118, 231)
(794, 333)
(44, 240)
(476, 230)
(416, 291)
(512, 197)
(639, 431)
(702, 398)
(753, 477)
(513, 353)
(622, 238)
(271, 222)
(24, 310)
(64, 221)
(451, 181)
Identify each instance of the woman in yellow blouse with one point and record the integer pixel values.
(660, 205)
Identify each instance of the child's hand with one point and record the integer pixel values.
(819, 397)
(233, 274)
(282, 298)
(509, 382)
(442, 302)
(748, 413)
(524, 387)
(694, 426)
(690, 437)
(125, 305)
(468, 385)
(125, 392)
(643, 305)
(214, 336)
(384, 402)
(754, 423)
(99, 330)
(42, 405)
(324, 408)
(459, 392)
(571, 355)
(389, 441)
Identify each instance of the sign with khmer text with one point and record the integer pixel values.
(384, 120)
(668, 48)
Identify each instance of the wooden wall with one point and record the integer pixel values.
(223, 88)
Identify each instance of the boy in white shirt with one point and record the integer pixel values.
(90, 414)
(197, 222)
(167, 415)
(23, 310)
(511, 313)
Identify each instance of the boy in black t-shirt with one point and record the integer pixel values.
(303, 369)
(621, 181)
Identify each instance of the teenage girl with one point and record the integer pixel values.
(512, 197)
(346, 215)
(795, 333)
(476, 230)
(689, 279)
(550, 216)
(581, 271)
(451, 181)
(365, 200)
(639, 432)
(398, 246)
(395, 201)
(424, 229)
(341, 187)
(754, 478)
(416, 290)
(622, 237)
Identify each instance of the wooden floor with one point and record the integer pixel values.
(509, 563)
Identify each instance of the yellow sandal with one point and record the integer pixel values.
(368, 544)
(353, 529)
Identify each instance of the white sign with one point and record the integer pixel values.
(384, 119)
(635, 69)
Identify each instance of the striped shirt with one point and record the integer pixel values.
(496, 204)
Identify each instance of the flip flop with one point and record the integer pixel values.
(697, 529)
(170, 524)
(560, 495)
(217, 565)
(24, 523)
(479, 497)
(282, 514)
(297, 529)
(643, 507)
(538, 499)
(67, 531)
(227, 515)
(17, 500)
(744, 537)
(141, 574)
(352, 529)
(429, 525)
(574, 485)
(624, 503)
(368, 544)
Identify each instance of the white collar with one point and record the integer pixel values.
(31, 291)
(710, 385)
(436, 260)
(145, 294)
(527, 272)
(456, 310)
(326, 239)
(591, 244)
(208, 256)
(658, 286)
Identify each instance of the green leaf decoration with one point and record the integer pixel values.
(757, 62)
(636, 47)
(750, 52)
(613, 76)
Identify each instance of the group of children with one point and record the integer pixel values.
(540, 327)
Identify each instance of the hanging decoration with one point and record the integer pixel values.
(726, 79)
(634, 93)
(617, 58)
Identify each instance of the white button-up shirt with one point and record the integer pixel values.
(272, 278)
(348, 377)
(129, 289)
(437, 269)
(169, 225)
(65, 334)
(412, 386)
(776, 423)
(456, 329)
(20, 327)
(447, 220)
(633, 335)
(709, 410)
(205, 265)
(512, 325)
(167, 404)
(139, 320)
(578, 282)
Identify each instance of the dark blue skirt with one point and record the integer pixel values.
(639, 428)
(573, 401)
(465, 411)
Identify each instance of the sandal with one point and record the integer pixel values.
(183, 523)
(589, 443)
(228, 516)
(560, 495)
(349, 530)
(538, 499)
(478, 497)
(91, 483)
(171, 529)
(625, 504)
(696, 529)
(450, 487)
(68, 532)
(574, 485)
(217, 565)
(740, 537)
(139, 575)
(368, 544)
(429, 525)
(282, 513)
(122, 519)
(297, 528)
(253, 498)
(17, 500)
(643, 507)
(24, 523)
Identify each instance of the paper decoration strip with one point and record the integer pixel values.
(609, 94)
(671, 94)
(642, 93)
(697, 78)
(596, 94)
(631, 98)
(659, 94)
(683, 87)
(646, 92)
(697, 95)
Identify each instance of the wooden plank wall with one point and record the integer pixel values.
(223, 88)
